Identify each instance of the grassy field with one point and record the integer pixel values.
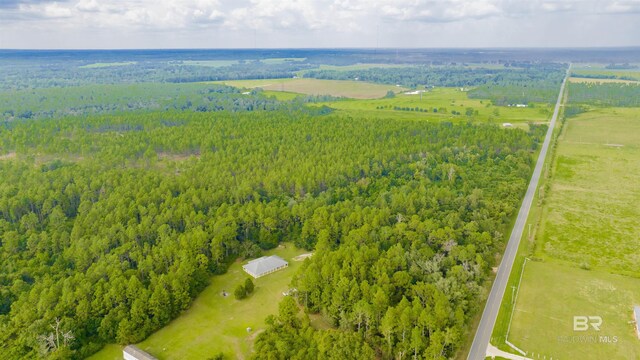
(351, 67)
(591, 218)
(627, 73)
(350, 89)
(551, 294)
(104, 65)
(215, 323)
(600, 81)
(367, 99)
(587, 221)
(451, 99)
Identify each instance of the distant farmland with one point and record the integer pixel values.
(350, 89)
(578, 79)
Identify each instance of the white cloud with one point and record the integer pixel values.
(46, 10)
(321, 22)
(439, 11)
(623, 7)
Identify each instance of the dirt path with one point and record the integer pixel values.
(301, 257)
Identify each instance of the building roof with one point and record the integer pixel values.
(636, 311)
(264, 264)
(138, 353)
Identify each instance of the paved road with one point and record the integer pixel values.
(483, 333)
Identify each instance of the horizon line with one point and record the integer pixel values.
(629, 47)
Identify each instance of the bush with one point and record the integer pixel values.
(248, 286)
(240, 292)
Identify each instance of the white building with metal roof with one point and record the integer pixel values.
(132, 352)
(264, 266)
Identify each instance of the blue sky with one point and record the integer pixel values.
(317, 23)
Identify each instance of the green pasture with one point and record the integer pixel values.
(350, 89)
(552, 294)
(215, 323)
(445, 101)
(588, 220)
(591, 215)
(600, 81)
(593, 71)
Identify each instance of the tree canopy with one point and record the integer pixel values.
(112, 224)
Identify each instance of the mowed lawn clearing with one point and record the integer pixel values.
(215, 323)
(350, 89)
(552, 294)
(592, 213)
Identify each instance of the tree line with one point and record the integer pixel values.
(100, 99)
(533, 83)
(605, 94)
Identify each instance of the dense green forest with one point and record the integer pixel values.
(120, 98)
(533, 83)
(403, 268)
(112, 224)
(39, 74)
(605, 94)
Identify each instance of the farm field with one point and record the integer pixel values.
(600, 81)
(587, 223)
(450, 99)
(627, 73)
(215, 323)
(552, 294)
(591, 214)
(350, 89)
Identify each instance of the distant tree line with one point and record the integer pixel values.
(534, 83)
(107, 99)
(605, 94)
(44, 74)
(623, 66)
